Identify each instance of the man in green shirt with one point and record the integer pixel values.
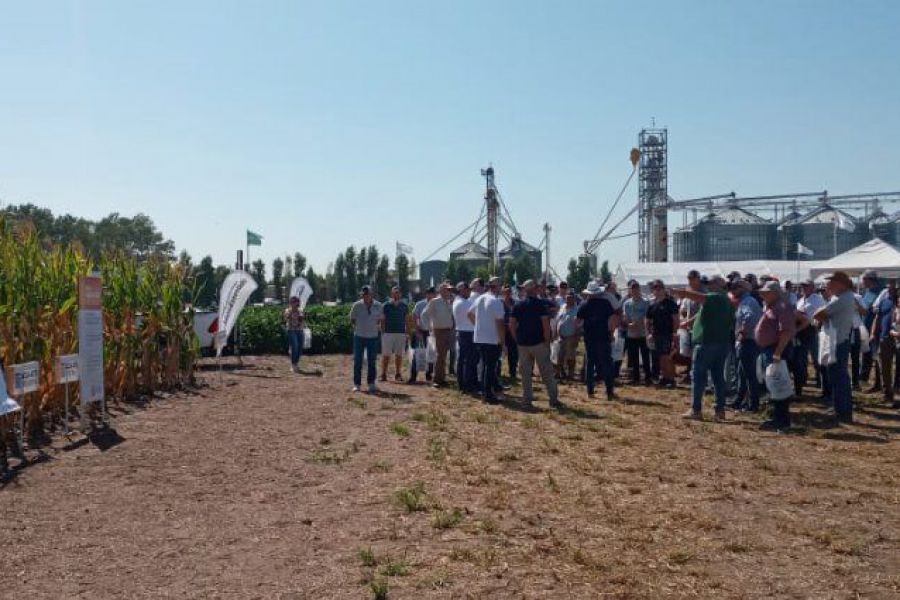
(711, 336)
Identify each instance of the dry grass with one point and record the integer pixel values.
(618, 500)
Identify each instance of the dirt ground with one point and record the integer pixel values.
(265, 484)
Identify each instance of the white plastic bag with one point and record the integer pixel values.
(554, 351)
(431, 354)
(618, 347)
(761, 369)
(418, 355)
(827, 345)
(684, 342)
(307, 338)
(864, 338)
(778, 381)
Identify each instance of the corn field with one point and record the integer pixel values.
(149, 342)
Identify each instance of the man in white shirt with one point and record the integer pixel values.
(807, 349)
(486, 314)
(467, 357)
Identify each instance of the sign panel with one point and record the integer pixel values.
(90, 339)
(23, 378)
(67, 369)
(235, 292)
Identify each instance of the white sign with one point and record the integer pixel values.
(67, 369)
(300, 288)
(235, 292)
(24, 378)
(90, 355)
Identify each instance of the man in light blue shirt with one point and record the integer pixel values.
(747, 316)
(634, 311)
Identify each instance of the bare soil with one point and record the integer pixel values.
(265, 484)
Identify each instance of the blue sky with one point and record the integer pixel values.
(320, 125)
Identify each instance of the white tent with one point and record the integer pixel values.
(675, 273)
(875, 254)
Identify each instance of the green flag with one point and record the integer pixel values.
(254, 239)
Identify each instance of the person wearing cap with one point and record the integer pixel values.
(661, 324)
(568, 333)
(747, 315)
(512, 348)
(466, 359)
(420, 340)
(774, 335)
(529, 325)
(711, 336)
(634, 315)
(393, 337)
(365, 318)
(807, 346)
(598, 319)
(884, 308)
(294, 322)
(439, 314)
(490, 332)
(563, 294)
(840, 313)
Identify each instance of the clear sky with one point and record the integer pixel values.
(323, 124)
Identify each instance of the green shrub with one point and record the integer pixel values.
(262, 330)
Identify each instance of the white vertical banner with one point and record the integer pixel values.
(90, 339)
(301, 289)
(236, 290)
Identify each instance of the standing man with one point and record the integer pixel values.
(840, 311)
(490, 332)
(365, 318)
(294, 321)
(467, 359)
(422, 331)
(711, 336)
(807, 347)
(634, 311)
(871, 291)
(774, 336)
(393, 341)
(512, 346)
(662, 323)
(439, 314)
(882, 340)
(598, 318)
(748, 314)
(567, 331)
(529, 325)
(687, 312)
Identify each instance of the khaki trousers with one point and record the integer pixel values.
(442, 340)
(540, 354)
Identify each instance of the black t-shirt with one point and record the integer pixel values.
(529, 313)
(595, 314)
(660, 314)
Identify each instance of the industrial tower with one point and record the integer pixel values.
(492, 210)
(653, 196)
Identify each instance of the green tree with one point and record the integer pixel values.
(299, 264)
(339, 276)
(458, 270)
(579, 273)
(401, 265)
(605, 274)
(520, 269)
(317, 284)
(258, 271)
(382, 274)
(288, 270)
(351, 279)
(372, 261)
(278, 278)
(362, 259)
(205, 283)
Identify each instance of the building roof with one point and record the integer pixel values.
(518, 246)
(730, 215)
(822, 214)
(470, 248)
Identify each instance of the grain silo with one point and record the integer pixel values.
(728, 233)
(820, 230)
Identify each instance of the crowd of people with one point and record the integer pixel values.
(738, 337)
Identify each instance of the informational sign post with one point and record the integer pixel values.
(22, 379)
(90, 343)
(67, 371)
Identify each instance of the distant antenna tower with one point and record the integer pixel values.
(653, 196)
(492, 210)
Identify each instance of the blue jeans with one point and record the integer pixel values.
(598, 363)
(466, 361)
(709, 359)
(295, 341)
(839, 382)
(370, 347)
(747, 354)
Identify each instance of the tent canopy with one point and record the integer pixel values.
(875, 254)
(675, 273)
